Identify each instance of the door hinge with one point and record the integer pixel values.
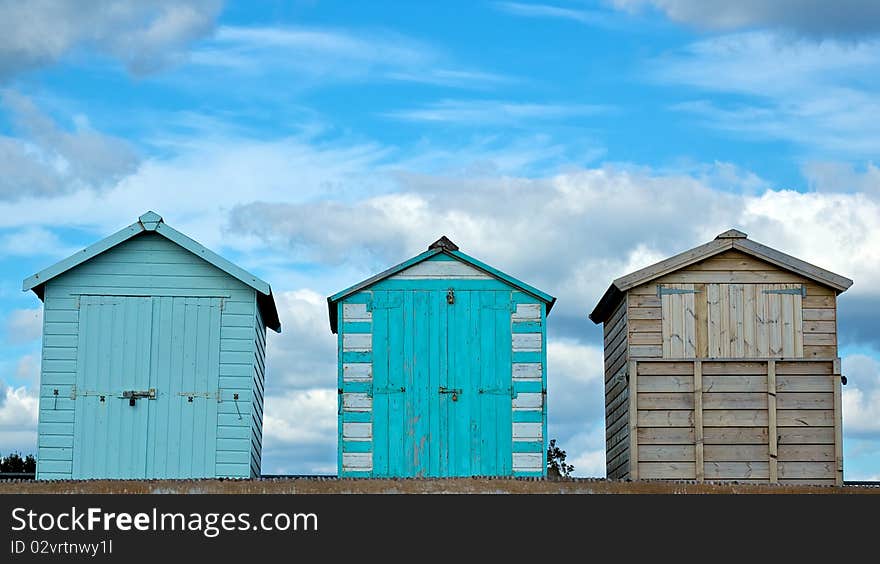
(388, 390)
(794, 291)
(661, 291)
(498, 391)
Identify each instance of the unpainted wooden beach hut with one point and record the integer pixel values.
(153, 360)
(441, 370)
(721, 363)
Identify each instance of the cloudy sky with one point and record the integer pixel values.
(317, 142)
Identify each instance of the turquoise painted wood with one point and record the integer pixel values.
(151, 310)
(441, 371)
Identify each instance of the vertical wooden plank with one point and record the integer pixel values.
(774, 324)
(504, 381)
(737, 344)
(724, 318)
(435, 443)
(689, 322)
(633, 375)
(714, 319)
(786, 306)
(772, 433)
(798, 325)
(488, 428)
(748, 315)
(381, 358)
(838, 424)
(666, 313)
(701, 321)
(698, 420)
(762, 320)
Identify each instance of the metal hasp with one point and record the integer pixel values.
(441, 370)
(133, 395)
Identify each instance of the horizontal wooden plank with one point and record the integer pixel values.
(646, 338)
(812, 339)
(730, 260)
(804, 418)
(666, 384)
(804, 367)
(819, 327)
(734, 367)
(735, 383)
(734, 470)
(666, 453)
(806, 453)
(666, 435)
(667, 470)
(666, 418)
(735, 435)
(651, 351)
(735, 400)
(804, 383)
(804, 400)
(657, 400)
(823, 470)
(735, 453)
(819, 314)
(644, 325)
(648, 368)
(815, 301)
(806, 435)
(643, 313)
(735, 418)
(642, 300)
(820, 351)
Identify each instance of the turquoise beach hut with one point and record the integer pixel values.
(441, 370)
(153, 360)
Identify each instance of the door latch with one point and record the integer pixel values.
(133, 395)
(450, 296)
(453, 391)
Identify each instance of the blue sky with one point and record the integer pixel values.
(317, 142)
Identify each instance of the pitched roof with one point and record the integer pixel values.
(153, 222)
(441, 246)
(731, 239)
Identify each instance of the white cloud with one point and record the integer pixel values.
(32, 241)
(24, 325)
(299, 432)
(493, 112)
(861, 396)
(813, 17)
(47, 160)
(18, 419)
(143, 34)
(318, 55)
(820, 95)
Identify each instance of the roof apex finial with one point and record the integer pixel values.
(443, 243)
(150, 220)
(732, 234)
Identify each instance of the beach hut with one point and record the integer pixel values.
(721, 363)
(153, 360)
(441, 370)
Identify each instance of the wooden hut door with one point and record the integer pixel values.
(441, 383)
(146, 389)
(110, 436)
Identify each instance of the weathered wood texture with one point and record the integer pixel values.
(616, 395)
(763, 420)
(731, 306)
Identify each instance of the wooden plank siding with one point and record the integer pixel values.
(616, 394)
(150, 265)
(729, 420)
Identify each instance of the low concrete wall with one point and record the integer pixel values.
(417, 486)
